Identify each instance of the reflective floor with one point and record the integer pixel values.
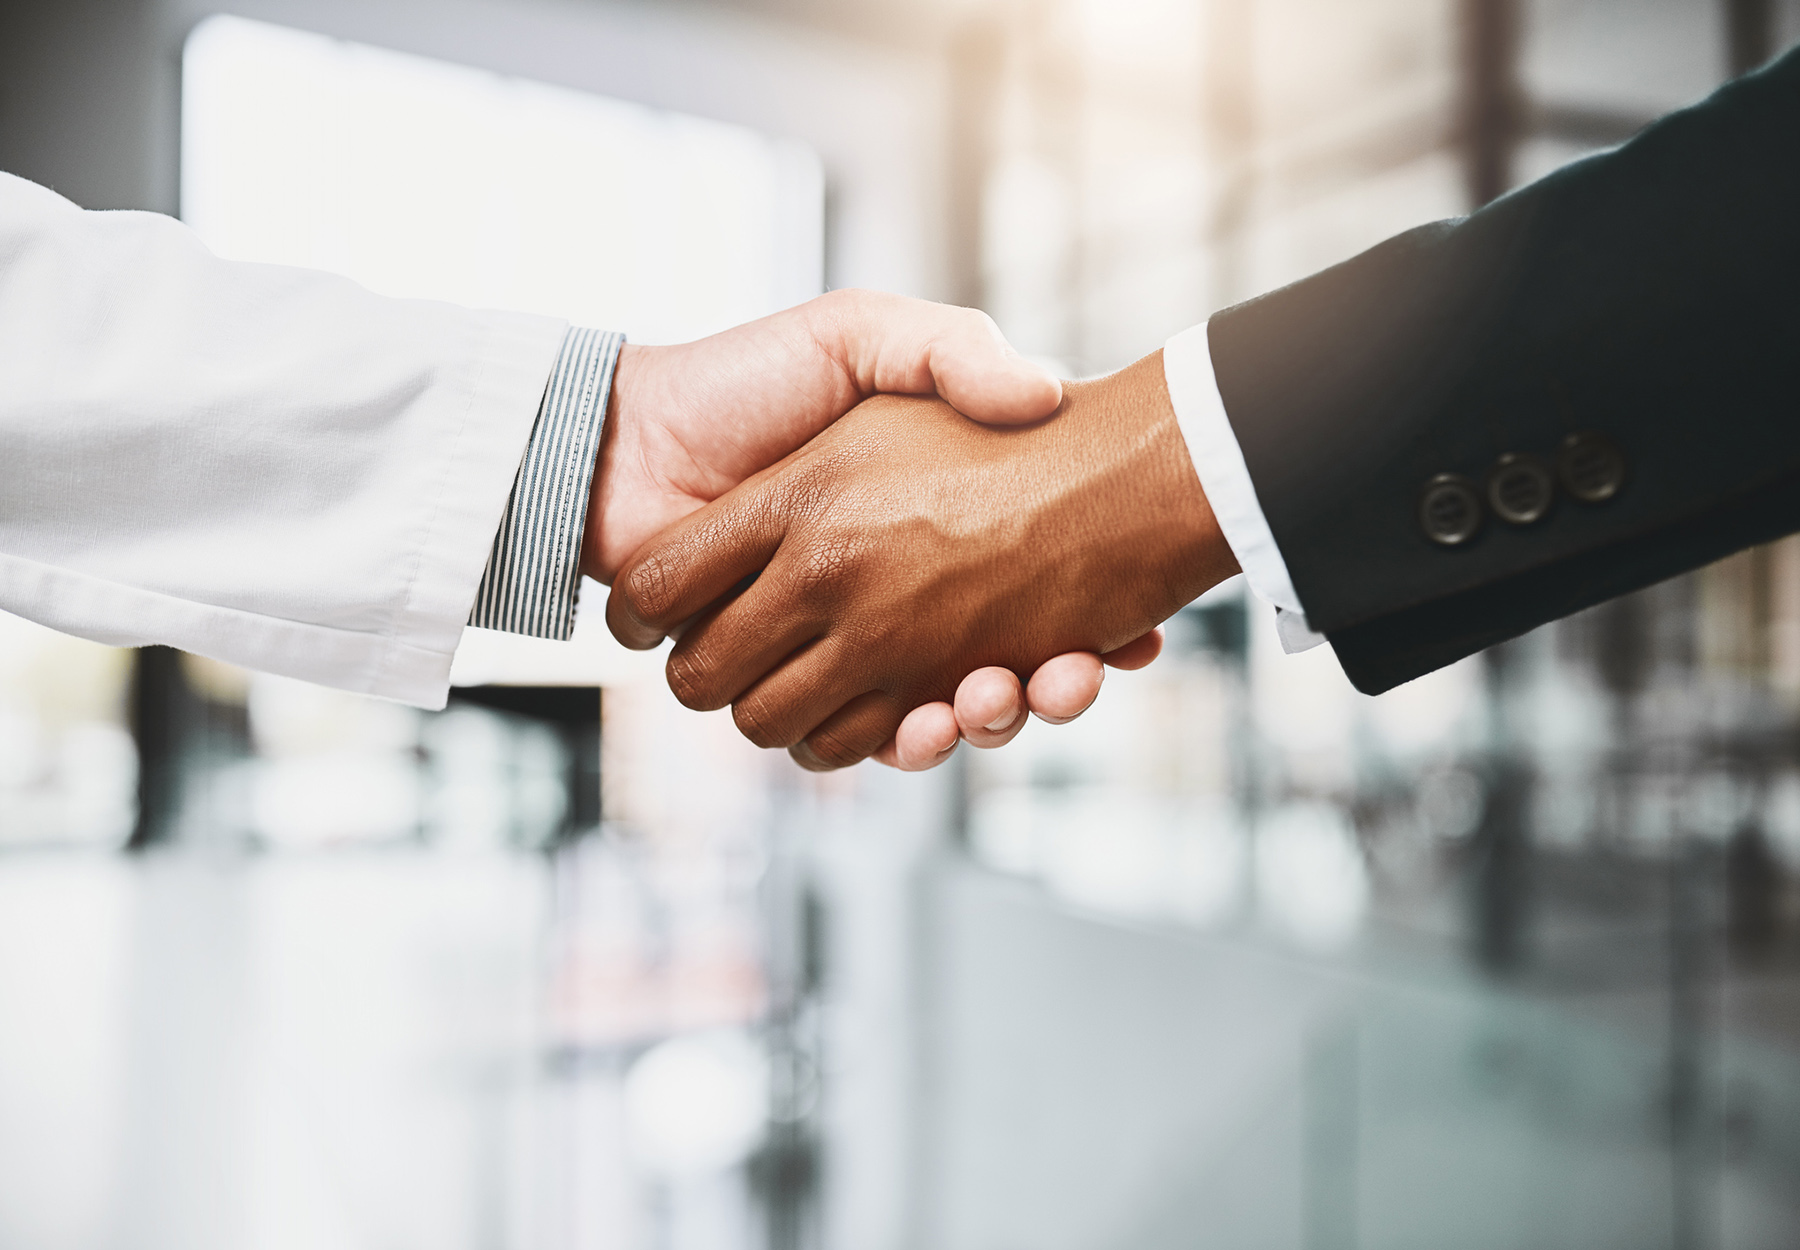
(356, 1049)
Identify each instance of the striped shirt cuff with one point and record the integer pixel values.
(534, 571)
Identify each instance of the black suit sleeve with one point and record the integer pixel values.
(1650, 295)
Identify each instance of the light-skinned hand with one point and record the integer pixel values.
(905, 550)
(689, 422)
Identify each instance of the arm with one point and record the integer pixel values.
(266, 465)
(1647, 295)
(275, 467)
(1603, 364)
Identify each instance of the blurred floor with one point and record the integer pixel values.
(267, 1052)
(1106, 1084)
(344, 1050)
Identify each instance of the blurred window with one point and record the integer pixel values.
(422, 179)
(427, 180)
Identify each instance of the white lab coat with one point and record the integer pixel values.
(266, 465)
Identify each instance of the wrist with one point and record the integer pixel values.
(1170, 533)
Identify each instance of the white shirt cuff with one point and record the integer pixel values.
(1219, 461)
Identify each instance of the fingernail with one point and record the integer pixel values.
(1005, 719)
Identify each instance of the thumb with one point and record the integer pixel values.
(980, 375)
(910, 346)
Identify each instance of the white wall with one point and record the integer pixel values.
(90, 90)
(873, 115)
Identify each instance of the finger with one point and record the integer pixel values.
(1138, 652)
(737, 643)
(692, 563)
(1065, 687)
(721, 655)
(891, 343)
(851, 734)
(793, 699)
(925, 739)
(990, 707)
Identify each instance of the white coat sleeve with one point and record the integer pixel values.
(265, 465)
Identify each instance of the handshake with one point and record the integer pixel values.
(875, 530)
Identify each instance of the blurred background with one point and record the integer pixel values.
(1509, 957)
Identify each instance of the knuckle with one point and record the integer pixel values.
(842, 306)
(804, 757)
(649, 588)
(981, 322)
(806, 493)
(823, 566)
(755, 721)
(834, 751)
(692, 682)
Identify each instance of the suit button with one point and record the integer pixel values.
(1519, 489)
(1591, 467)
(1450, 510)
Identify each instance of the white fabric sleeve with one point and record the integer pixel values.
(270, 466)
(1219, 461)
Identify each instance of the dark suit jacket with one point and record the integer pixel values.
(1650, 294)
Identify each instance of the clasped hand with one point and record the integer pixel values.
(838, 599)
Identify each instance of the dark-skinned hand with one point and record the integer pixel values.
(906, 547)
